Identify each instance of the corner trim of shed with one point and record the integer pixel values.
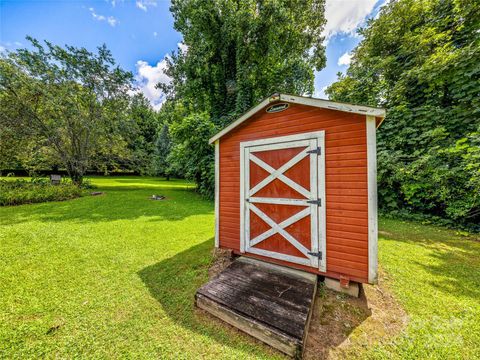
(372, 199)
(217, 193)
(309, 101)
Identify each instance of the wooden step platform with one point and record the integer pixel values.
(270, 302)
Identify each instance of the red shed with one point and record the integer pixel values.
(296, 185)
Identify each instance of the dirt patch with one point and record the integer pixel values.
(384, 233)
(221, 259)
(342, 326)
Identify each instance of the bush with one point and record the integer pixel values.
(37, 190)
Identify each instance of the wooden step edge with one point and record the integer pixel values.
(310, 313)
(279, 268)
(271, 336)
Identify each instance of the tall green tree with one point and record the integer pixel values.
(69, 98)
(420, 60)
(235, 53)
(163, 147)
(142, 135)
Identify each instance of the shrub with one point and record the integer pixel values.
(37, 190)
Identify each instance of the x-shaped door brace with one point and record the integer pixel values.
(279, 228)
(278, 174)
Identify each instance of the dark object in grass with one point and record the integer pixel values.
(55, 179)
(158, 197)
(96, 193)
(53, 329)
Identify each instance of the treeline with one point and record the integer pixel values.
(420, 59)
(74, 109)
(68, 108)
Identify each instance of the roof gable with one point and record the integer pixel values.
(326, 104)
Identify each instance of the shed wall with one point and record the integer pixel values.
(346, 182)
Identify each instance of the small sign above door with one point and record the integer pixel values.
(277, 108)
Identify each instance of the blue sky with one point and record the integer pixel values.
(140, 32)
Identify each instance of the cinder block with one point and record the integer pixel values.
(353, 288)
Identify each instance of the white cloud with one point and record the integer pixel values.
(320, 94)
(110, 20)
(96, 16)
(155, 34)
(144, 4)
(345, 59)
(386, 2)
(345, 16)
(183, 47)
(141, 6)
(9, 46)
(148, 77)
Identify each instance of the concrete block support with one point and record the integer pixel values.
(352, 289)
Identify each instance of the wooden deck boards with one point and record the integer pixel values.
(270, 302)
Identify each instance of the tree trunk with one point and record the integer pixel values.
(75, 173)
(77, 178)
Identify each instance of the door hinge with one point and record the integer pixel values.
(317, 151)
(317, 202)
(316, 254)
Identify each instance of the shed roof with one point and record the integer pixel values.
(321, 103)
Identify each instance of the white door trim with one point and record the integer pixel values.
(286, 138)
(317, 191)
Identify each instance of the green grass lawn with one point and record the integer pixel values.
(114, 276)
(435, 275)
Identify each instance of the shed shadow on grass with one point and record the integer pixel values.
(173, 283)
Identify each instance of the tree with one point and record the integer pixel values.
(142, 135)
(162, 151)
(192, 154)
(419, 59)
(72, 99)
(237, 53)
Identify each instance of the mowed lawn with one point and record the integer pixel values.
(114, 276)
(435, 275)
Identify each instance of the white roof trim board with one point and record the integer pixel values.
(326, 104)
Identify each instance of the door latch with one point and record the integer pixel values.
(316, 254)
(317, 151)
(317, 202)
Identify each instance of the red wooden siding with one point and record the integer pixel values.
(345, 176)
